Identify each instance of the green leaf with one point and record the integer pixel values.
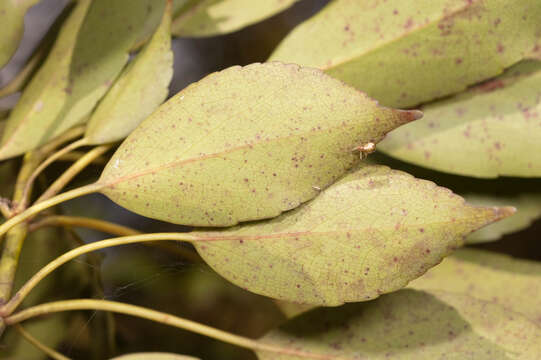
(243, 144)
(370, 233)
(523, 194)
(403, 53)
(491, 129)
(412, 325)
(91, 50)
(141, 88)
(12, 20)
(199, 18)
(528, 209)
(153, 356)
(512, 283)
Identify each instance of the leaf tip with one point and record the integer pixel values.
(407, 116)
(503, 212)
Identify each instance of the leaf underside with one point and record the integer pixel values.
(493, 129)
(243, 144)
(140, 89)
(370, 233)
(200, 18)
(403, 53)
(412, 325)
(91, 49)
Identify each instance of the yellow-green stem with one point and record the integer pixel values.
(9, 307)
(109, 228)
(72, 171)
(32, 340)
(28, 188)
(161, 317)
(37, 208)
(15, 237)
(10, 257)
(89, 223)
(76, 155)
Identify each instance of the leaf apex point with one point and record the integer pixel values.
(504, 211)
(407, 116)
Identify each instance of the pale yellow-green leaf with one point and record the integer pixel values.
(90, 51)
(492, 129)
(243, 144)
(199, 18)
(370, 233)
(523, 194)
(403, 53)
(409, 325)
(512, 283)
(153, 356)
(12, 20)
(528, 210)
(141, 88)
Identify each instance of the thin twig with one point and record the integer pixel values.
(37, 208)
(160, 317)
(32, 340)
(42, 166)
(10, 306)
(110, 228)
(72, 171)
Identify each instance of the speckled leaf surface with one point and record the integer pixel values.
(528, 210)
(154, 356)
(403, 53)
(141, 88)
(490, 130)
(370, 233)
(510, 282)
(198, 18)
(243, 144)
(12, 20)
(409, 325)
(523, 194)
(90, 51)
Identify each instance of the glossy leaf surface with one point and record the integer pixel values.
(90, 51)
(243, 144)
(370, 233)
(490, 130)
(403, 53)
(141, 88)
(197, 18)
(512, 283)
(12, 20)
(412, 325)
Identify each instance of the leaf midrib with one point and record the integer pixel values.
(218, 154)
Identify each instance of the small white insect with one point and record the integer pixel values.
(117, 162)
(365, 149)
(316, 188)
